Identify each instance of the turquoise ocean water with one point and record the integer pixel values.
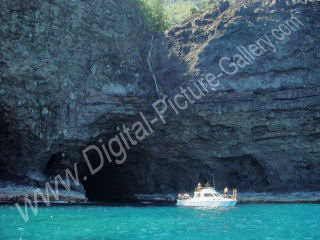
(246, 221)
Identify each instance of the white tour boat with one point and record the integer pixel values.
(207, 197)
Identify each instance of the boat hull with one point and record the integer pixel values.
(213, 203)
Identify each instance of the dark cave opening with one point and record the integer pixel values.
(113, 182)
(54, 163)
(141, 174)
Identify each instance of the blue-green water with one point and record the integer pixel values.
(249, 221)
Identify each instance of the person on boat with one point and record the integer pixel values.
(207, 185)
(199, 186)
(226, 190)
(186, 196)
(180, 196)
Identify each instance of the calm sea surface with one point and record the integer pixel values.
(247, 221)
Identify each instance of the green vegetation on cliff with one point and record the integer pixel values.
(179, 10)
(153, 14)
(159, 14)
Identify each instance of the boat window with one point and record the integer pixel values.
(198, 195)
(208, 195)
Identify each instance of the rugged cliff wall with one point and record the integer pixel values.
(260, 130)
(64, 66)
(73, 71)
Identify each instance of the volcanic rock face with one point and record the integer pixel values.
(73, 71)
(66, 66)
(260, 130)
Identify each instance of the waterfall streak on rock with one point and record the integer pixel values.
(150, 63)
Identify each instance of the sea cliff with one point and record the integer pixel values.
(74, 72)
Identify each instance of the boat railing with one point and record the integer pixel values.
(233, 196)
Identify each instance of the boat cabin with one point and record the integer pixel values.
(207, 193)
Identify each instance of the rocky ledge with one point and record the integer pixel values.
(245, 197)
(17, 193)
(11, 193)
(289, 197)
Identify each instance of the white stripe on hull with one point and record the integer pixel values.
(190, 203)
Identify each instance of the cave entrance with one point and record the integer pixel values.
(114, 182)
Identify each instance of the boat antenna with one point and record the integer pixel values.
(213, 182)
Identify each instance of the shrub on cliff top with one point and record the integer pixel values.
(153, 14)
(205, 4)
